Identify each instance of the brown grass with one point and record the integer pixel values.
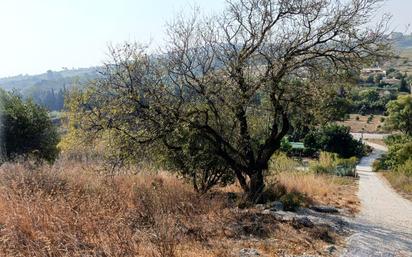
(70, 210)
(400, 182)
(323, 189)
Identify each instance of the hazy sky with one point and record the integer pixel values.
(37, 35)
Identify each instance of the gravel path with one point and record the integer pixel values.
(384, 226)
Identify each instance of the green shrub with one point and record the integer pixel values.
(330, 163)
(285, 145)
(293, 200)
(26, 129)
(370, 118)
(335, 139)
(346, 116)
(345, 171)
(399, 151)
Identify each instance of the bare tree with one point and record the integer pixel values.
(236, 80)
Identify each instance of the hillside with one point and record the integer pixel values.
(48, 88)
(401, 40)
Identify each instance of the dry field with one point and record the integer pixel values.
(361, 125)
(69, 209)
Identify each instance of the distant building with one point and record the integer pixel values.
(391, 81)
(372, 71)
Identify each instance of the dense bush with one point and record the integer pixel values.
(399, 152)
(398, 161)
(26, 129)
(400, 114)
(336, 139)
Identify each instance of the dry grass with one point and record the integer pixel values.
(323, 188)
(62, 211)
(401, 182)
(361, 124)
(70, 210)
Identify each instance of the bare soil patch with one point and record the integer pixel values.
(359, 123)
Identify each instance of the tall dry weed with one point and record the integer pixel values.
(70, 210)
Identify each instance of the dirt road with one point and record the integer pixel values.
(384, 225)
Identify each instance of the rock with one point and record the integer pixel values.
(324, 209)
(248, 252)
(303, 222)
(260, 206)
(302, 256)
(276, 206)
(267, 212)
(330, 249)
(283, 215)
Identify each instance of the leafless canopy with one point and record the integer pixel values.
(238, 78)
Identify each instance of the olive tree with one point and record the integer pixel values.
(229, 86)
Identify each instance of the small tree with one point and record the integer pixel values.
(400, 114)
(403, 87)
(236, 80)
(26, 129)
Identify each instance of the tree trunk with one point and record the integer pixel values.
(256, 186)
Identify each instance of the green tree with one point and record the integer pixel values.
(378, 77)
(236, 80)
(335, 139)
(400, 114)
(369, 96)
(26, 129)
(404, 85)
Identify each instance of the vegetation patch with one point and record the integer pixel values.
(397, 163)
(68, 209)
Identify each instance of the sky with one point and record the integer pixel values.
(38, 35)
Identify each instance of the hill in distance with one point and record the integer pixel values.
(48, 89)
